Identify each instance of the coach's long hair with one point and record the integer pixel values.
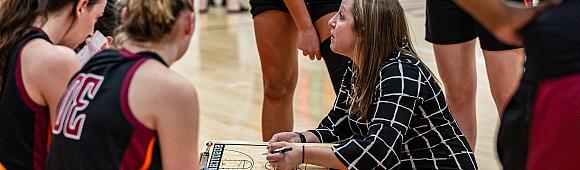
(17, 18)
(151, 20)
(381, 28)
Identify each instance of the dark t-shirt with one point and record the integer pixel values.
(552, 42)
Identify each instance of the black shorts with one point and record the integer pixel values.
(316, 8)
(446, 23)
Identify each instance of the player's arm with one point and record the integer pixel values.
(502, 20)
(178, 126)
(322, 156)
(308, 40)
(299, 12)
(49, 72)
(167, 102)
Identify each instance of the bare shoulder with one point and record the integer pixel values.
(174, 84)
(42, 55)
(165, 80)
(46, 70)
(155, 89)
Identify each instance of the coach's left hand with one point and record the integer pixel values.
(287, 160)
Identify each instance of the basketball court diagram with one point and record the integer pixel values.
(240, 156)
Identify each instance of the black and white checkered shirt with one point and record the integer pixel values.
(410, 125)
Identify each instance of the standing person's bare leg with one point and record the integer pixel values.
(504, 70)
(276, 39)
(203, 6)
(322, 26)
(456, 65)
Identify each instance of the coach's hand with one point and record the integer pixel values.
(291, 137)
(286, 160)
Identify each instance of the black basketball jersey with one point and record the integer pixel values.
(24, 125)
(95, 128)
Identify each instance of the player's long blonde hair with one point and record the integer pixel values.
(382, 30)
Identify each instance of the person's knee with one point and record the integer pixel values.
(278, 88)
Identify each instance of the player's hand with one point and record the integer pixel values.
(291, 137)
(519, 18)
(286, 160)
(309, 43)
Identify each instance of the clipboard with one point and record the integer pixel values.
(243, 155)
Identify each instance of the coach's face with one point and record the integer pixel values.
(343, 37)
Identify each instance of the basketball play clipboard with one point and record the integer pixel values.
(242, 155)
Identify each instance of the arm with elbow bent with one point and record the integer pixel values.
(322, 156)
(332, 129)
(383, 141)
(326, 133)
(504, 21)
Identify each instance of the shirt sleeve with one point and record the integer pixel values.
(398, 96)
(335, 126)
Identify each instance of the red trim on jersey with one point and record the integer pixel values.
(41, 118)
(135, 155)
(127, 54)
(41, 139)
(22, 90)
(125, 97)
(553, 142)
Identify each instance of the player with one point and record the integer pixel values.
(36, 62)
(536, 132)
(453, 33)
(126, 109)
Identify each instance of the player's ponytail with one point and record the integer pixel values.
(150, 20)
(16, 18)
